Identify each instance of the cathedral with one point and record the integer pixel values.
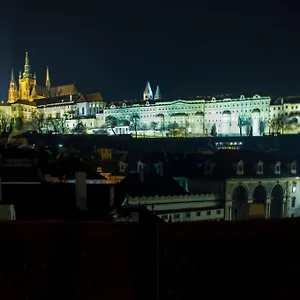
(27, 88)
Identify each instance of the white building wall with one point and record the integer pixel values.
(187, 113)
(182, 208)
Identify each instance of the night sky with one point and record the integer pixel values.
(189, 49)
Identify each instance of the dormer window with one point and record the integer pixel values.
(260, 168)
(122, 166)
(294, 168)
(208, 168)
(240, 168)
(140, 166)
(278, 168)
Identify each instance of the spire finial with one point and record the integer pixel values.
(26, 73)
(48, 82)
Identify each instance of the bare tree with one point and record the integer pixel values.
(278, 124)
(38, 121)
(79, 128)
(174, 129)
(134, 122)
(154, 126)
(244, 121)
(58, 125)
(5, 122)
(262, 126)
(111, 122)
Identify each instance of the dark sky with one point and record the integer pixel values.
(187, 47)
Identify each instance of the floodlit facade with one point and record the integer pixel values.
(197, 116)
(223, 115)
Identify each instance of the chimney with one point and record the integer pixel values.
(161, 170)
(111, 196)
(141, 174)
(80, 190)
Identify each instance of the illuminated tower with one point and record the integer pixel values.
(27, 82)
(12, 91)
(48, 82)
(148, 95)
(157, 95)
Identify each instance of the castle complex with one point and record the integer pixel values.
(222, 115)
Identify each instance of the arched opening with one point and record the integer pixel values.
(259, 195)
(240, 208)
(276, 202)
(259, 202)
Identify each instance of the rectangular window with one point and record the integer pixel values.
(208, 213)
(293, 204)
(198, 213)
(218, 212)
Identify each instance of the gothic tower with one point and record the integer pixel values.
(13, 90)
(157, 95)
(27, 82)
(148, 95)
(48, 82)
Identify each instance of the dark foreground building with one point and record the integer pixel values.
(90, 260)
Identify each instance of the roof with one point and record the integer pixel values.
(67, 167)
(24, 102)
(193, 98)
(151, 185)
(95, 97)
(19, 174)
(224, 164)
(286, 100)
(58, 99)
(62, 90)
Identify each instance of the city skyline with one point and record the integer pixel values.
(188, 51)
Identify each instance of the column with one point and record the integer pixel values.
(283, 209)
(228, 211)
(268, 208)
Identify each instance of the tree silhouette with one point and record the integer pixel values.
(111, 123)
(213, 131)
(134, 121)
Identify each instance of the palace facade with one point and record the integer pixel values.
(230, 115)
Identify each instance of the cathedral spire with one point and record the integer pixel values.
(48, 82)
(12, 77)
(157, 95)
(12, 91)
(148, 94)
(26, 73)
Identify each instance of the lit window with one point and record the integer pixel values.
(294, 187)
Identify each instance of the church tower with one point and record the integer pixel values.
(148, 95)
(13, 90)
(27, 82)
(48, 82)
(157, 95)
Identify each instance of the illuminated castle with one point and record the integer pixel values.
(27, 88)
